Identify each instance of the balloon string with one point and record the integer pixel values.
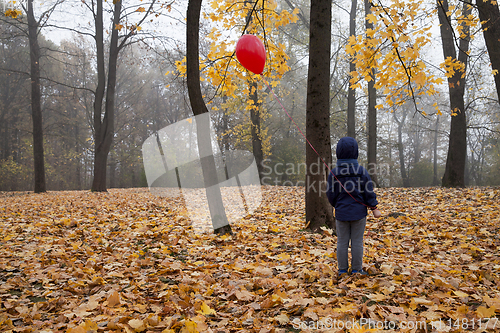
(310, 145)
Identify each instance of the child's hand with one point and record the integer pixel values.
(376, 213)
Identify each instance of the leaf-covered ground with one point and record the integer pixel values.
(128, 261)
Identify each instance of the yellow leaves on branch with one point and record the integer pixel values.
(451, 66)
(132, 27)
(222, 68)
(181, 66)
(391, 52)
(14, 13)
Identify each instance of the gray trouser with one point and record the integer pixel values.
(353, 232)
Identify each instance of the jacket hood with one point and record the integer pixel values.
(347, 148)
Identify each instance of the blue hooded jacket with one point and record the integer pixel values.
(355, 179)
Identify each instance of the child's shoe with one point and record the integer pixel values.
(342, 272)
(362, 272)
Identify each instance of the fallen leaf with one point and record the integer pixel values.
(206, 310)
(484, 312)
(113, 299)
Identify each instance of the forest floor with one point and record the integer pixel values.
(129, 261)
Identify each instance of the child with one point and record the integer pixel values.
(350, 191)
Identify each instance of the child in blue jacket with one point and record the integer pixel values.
(351, 192)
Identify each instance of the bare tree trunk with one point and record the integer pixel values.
(489, 15)
(256, 133)
(402, 167)
(318, 210)
(104, 129)
(435, 180)
(416, 142)
(372, 113)
(99, 159)
(454, 175)
(214, 197)
(351, 95)
(36, 103)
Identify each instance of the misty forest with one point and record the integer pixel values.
(411, 107)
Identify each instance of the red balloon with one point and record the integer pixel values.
(251, 53)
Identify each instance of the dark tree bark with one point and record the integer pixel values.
(489, 14)
(214, 197)
(318, 210)
(454, 175)
(435, 180)
(106, 87)
(372, 113)
(401, 151)
(351, 94)
(36, 103)
(104, 126)
(256, 133)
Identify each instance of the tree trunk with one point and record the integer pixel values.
(112, 173)
(416, 142)
(435, 181)
(454, 175)
(489, 15)
(36, 103)
(401, 152)
(104, 129)
(372, 113)
(214, 197)
(256, 133)
(99, 160)
(318, 210)
(351, 95)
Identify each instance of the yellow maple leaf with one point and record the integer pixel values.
(89, 325)
(13, 13)
(140, 10)
(189, 327)
(206, 310)
(137, 325)
(371, 18)
(283, 256)
(484, 312)
(282, 319)
(78, 329)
